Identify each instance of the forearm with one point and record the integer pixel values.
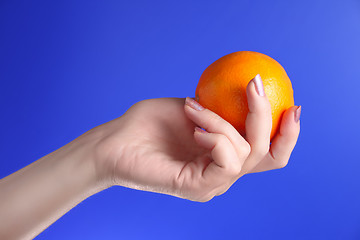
(37, 195)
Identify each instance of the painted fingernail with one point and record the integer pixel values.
(200, 130)
(193, 104)
(259, 85)
(297, 114)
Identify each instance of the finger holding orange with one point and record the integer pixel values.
(222, 87)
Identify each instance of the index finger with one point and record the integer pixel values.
(213, 123)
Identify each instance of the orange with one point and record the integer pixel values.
(222, 87)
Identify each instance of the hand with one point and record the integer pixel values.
(154, 147)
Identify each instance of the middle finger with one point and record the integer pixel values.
(258, 123)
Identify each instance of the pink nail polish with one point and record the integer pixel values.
(193, 104)
(200, 130)
(297, 114)
(259, 85)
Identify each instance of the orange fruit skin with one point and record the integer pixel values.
(222, 87)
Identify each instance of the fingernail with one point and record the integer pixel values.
(259, 85)
(200, 130)
(193, 104)
(297, 114)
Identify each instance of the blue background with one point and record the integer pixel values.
(68, 66)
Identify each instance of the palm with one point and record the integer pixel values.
(163, 148)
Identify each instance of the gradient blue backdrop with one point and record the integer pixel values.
(68, 66)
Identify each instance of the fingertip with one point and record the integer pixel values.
(201, 138)
(290, 122)
(256, 97)
(256, 86)
(250, 90)
(297, 114)
(200, 130)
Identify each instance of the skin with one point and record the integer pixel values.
(155, 146)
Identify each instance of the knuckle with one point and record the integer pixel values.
(282, 164)
(221, 139)
(233, 170)
(265, 108)
(200, 192)
(205, 194)
(213, 191)
(139, 104)
(264, 150)
(205, 197)
(260, 150)
(246, 149)
(261, 106)
(267, 113)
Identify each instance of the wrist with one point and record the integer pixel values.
(95, 151)
(83, 153)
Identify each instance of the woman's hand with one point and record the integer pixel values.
(156, 146)
(152, 147)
